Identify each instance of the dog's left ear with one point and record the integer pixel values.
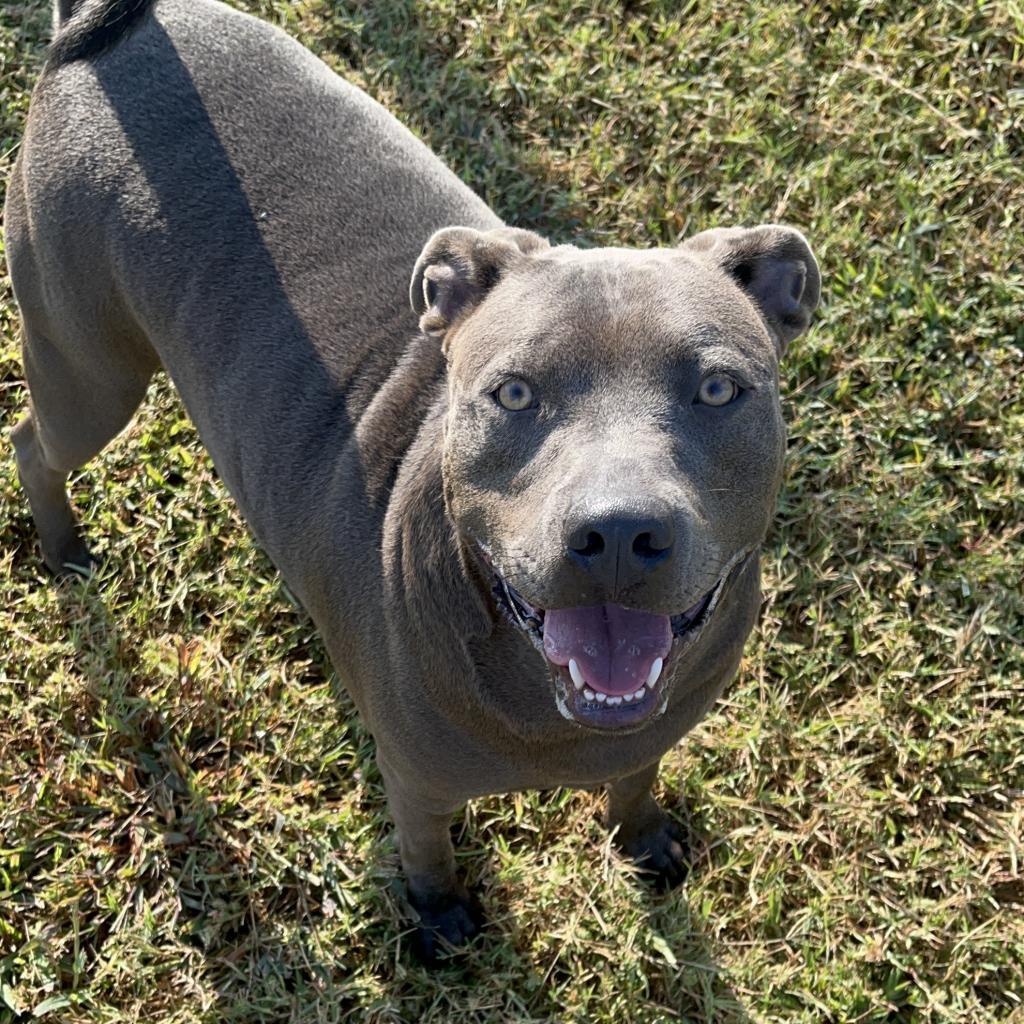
(774, 265)
(459, 266)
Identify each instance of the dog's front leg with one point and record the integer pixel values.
(449, 915)
(645, 832)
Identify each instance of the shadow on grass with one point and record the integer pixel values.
(200, 873)
(317, 935)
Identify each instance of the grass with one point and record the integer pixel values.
(192, 827)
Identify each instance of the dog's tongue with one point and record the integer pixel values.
(613, 646)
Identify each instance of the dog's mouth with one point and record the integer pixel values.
(610, 665)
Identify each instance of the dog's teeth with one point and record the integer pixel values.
(652, 676)
(601, 697)
(639, 693)
(627, 697)
(577, 675)
(588, 694)
(614, 701)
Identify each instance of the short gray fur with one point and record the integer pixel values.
(196, 190)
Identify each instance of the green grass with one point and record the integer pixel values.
(192, 829)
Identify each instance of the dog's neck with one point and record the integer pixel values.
(426, 576)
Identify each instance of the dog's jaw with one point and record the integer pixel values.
(590, 707)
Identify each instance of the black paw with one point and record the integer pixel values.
(661, 855)
(72, 561)
(446, 922)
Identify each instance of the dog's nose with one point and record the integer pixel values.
(619, 548)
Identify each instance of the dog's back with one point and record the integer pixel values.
(196, 189)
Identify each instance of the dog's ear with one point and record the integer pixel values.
(774, 265)
(458, 266)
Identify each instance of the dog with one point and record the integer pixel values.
(525, 514)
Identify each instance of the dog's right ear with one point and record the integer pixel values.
(459, 266)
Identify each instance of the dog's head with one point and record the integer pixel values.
(614, 441)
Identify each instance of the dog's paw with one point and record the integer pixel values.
(71, 560)
(661, 854)
(446, 923)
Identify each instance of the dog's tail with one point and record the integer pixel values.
(85, 28)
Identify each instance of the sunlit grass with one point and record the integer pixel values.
(192, 826)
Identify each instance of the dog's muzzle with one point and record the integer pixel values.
(610, 665)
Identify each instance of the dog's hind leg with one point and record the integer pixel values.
(64, 550)
(82, 396)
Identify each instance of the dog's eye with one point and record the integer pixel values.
(718, 389)
(514, 395)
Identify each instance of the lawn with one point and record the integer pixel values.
(192, 826)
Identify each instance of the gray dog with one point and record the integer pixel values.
(528, 531)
